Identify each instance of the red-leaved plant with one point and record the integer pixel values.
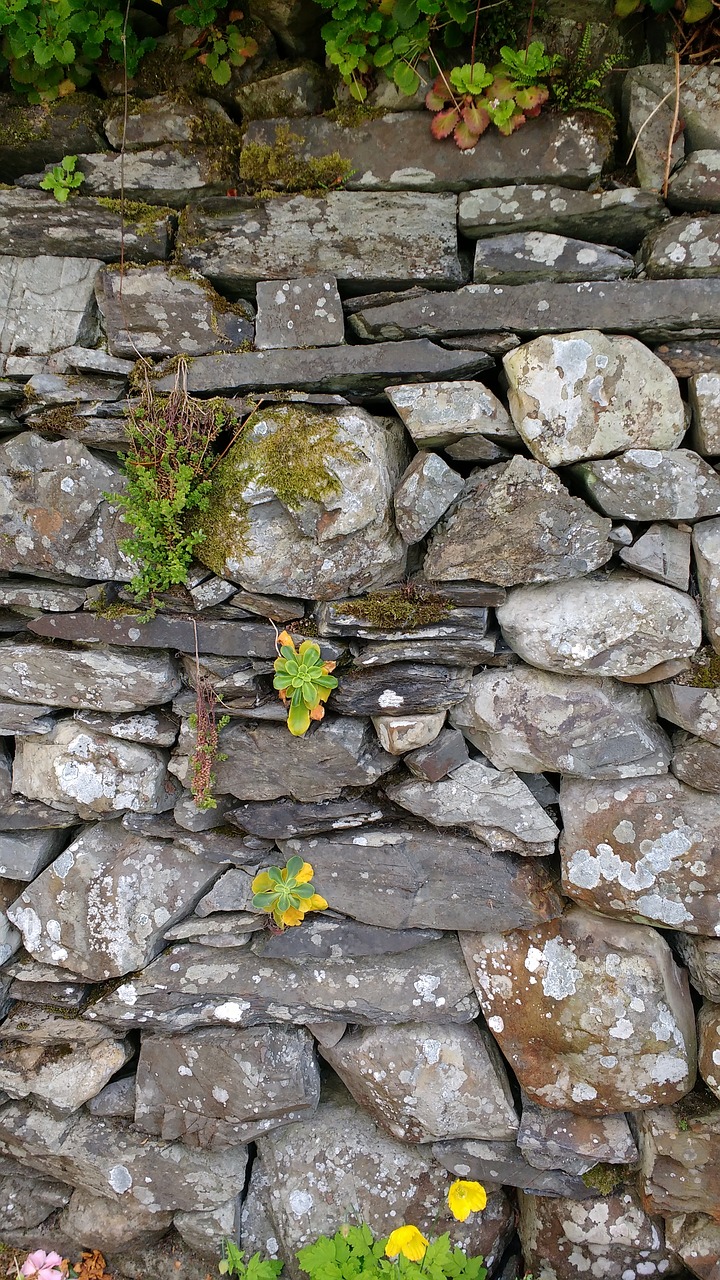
(467, 99)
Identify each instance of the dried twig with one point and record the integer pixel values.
(673, 127)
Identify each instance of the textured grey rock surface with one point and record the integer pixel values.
(163, 313)
(619, 217)
(441, 414)
(58, 1061)
(34, 224)
(400, 686)
(650, 309)
(696, 762)
(695, 186)
(192, 986)
(684, 247)
(345, 542)
(642, 851)
(416, 877)
(92, 774)
(395, 152)
(580, 726)
(619, 625)
(585, 395)
(650, 484)
(238, 242)
(118, 893)
(694, 708)
(704, 396)
(47, 303)
(493, 804)
(679, 1165)
(122, 1225)
(398, 734)
(706, 548)
(24, 854)
(502, 1163)
(594, 1014)
(108, 1157)
(54, 517)
(562, 1140)
(514, 523)
(525, 256)
(701, 956)
(305, 312)
(421, 1087)
(613, 1234)
(106, 680)
(423, 495)
(661, 553)
(167, 175)
(220, 1087)
(162, 118)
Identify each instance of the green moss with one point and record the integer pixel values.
(268, 170)
(144, 217)
(295, 460)
(23, 124)
(103, 607)
(606, 1178)
(351, 115)
(704, 672)
(57, 420)
(222, 138)
(401, 610)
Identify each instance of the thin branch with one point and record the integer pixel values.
(673, 127)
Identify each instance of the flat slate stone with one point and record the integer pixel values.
(684, 247)
(560, 1237)
(162, 312)
(502, 1163)
(397, 152)
(337, 939)
(47, 303)
(281, 819)
(400, 687)
(652, 309)
(367, 239)
(299, 313)
(525, 256)
(236, 639)
(166, 175)
(704, 397)
(362, 369)
(111, 680)
(552, 1139)
(689, 358)
(191, 985)
(33, 223)
(618, 217)
(661, 553)
(695, 187)
(441, 414)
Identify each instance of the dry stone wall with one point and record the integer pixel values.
(509, 364)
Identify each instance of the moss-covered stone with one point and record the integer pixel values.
(704, 672)
(143, 217)
(606, 1178)
(267, 170)
(404, 609)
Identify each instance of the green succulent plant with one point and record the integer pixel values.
(288, 894)
(303, 681)
(62, 179)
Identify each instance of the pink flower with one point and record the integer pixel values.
(42, 1266)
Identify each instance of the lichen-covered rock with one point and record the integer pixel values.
(94, 1220)
(494, 805)
(442, 414)
(102, 907)
(164, 312)
(47, 303)
(196, 985)
(563, 1140)
(680, 1157)
(25, 853)
(398, 734)
(609, 1236)
(306, 312)
(516, 523)
(585, 395)
(421, 1087)
(642, 850)
(661, 553)
(524, 256)
(619, 625)
(695, 1238)
(26, 1200)
(684, 247)
(91, 773)
(503, 1164)
(205, 1233)
(580, 726)
(704, 396)
(594, 1014)
(324, 528)
(692, 707)
(621, 216)
(53, 514)
(648, 484)
(59, 1061)
(107, 680)
(424, 493)
(696, 762)
(34, 223)
(701, 957)
(218, 1087)
(709, 1046)
(357, 1165)
(706, 547)
(110, 1158)
(415, 877)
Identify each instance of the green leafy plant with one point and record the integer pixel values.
(256, 1268)
(470, 98)
(168, 473)
(528, 66)
(354, 1251)
(692, 10)
(51, 47)
(62, 179)
(578, 85)
(303, 681)
(287, 894)
(219, 45)
(207, 754)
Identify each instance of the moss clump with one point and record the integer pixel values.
(295, 460)
(222, 138)
(273, 170)
(402, 610)
(351, 115)
(606, 1178)
(704, 673)
(143, 217)
(57, 420)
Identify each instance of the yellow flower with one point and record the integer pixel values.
(291, 915)
(408, 1241)
(305, 874)
(316, 903)
(465, 1198)
(262, 883)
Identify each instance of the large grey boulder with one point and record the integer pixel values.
(612, 1236)
(273, 527)
(101, 680)
(494, 805)
(513, 523)
(585, 395)
(55, 1060)
(650, 91)
(619, 625)
(381, 241)
(642, 851)
(110, 1158)
(102, 907)
(194, 985)
(621, 216)
(35, 224)
(219, 1087)
(91, 773)
(421, 1087)
(580, 726)
(163, 312)
(414, 877)
(593, 1013)
(54, 517)
(47, 303)
(649, 484)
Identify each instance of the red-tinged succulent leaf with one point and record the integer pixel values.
(464, 137)
(435, 101)
(531, 100)
(512, 124)
(444, 123)
(476, 118)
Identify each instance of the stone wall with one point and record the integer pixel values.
(511, 806)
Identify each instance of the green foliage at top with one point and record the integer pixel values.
(527, 67)
(62, 179)
(578, 85)
(470, 98)
(50, 47)
(219, 45)
(256, 1268)
(692, 10)
(354, 1251)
